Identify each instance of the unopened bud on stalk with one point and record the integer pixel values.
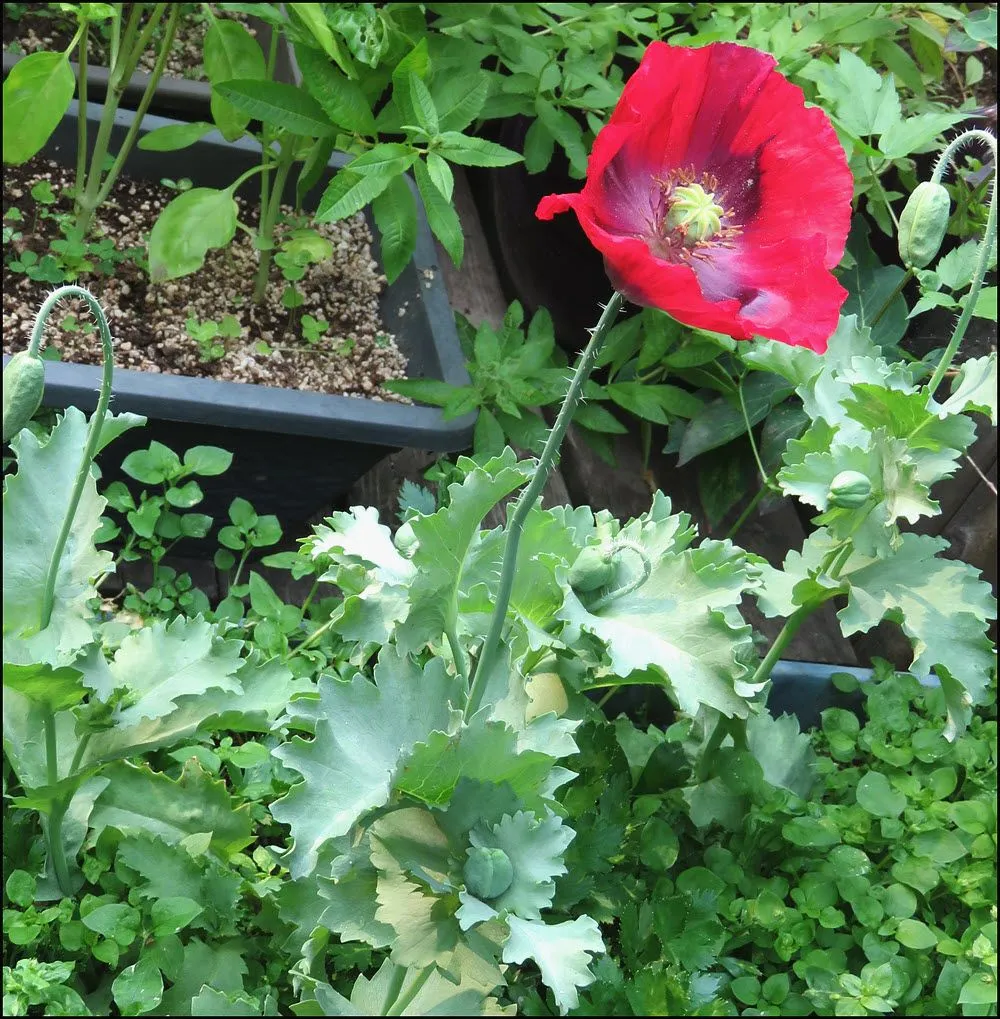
(850, 490)
(923, 224)
(23, 385)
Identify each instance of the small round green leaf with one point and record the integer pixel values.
(208, 460)
(659, 846)
(876, 795)
(899, 901)
(20, 888)
(915, 934)
(746, 989)
(138, 988)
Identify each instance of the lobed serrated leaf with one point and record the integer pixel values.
(942, 606)
(165, 661)
(682, 622)
(35, 501)
(138, 800)
(363, 732)
(561, 951)
(535, 848)
(446, 539)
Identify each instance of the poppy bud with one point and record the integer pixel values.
(923, 224)
(849, 490)
(23, 385)
(488, 872)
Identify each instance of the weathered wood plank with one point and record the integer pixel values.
(953, 493)
(474, 290)
(473, 287)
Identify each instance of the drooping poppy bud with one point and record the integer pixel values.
(923, 224)
(23, 386)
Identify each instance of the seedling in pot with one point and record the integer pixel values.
(10, 233)
(301, 125)
(181, 184)
(211, 336)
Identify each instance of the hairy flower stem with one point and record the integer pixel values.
(53, 827)
(887, 303)
(765, 489)
(736, 727)
(634, 583)
(985, 249)
(93, 436)
(487, 658)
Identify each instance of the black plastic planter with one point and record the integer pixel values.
(802, 689)
(806, 690)
(182, 98)
(294, 452)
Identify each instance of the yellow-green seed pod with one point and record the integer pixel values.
(23, 385)
(923, 224)
(850, 490)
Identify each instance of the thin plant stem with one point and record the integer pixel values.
(882, 192)
(116, 38)
(81, 120)
(983, 259)
(116, 79)
(147, 98)
(528, 497)
(457, 653)
(93, 436)
(713, 744)
(239, 567)
(265, 232)
(400, 1004)
(53, 828)
(982, 477)
(608, 695)
(753, 442)
(94, 193)
(785, 636)
(265, 177)
(311, 639)
(897, 290)
(81, 749)
(750, 507)
(309, 597)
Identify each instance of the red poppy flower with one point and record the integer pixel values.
(714, 194)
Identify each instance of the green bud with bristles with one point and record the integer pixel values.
(23, 386)
(923, 224)
(592, 570)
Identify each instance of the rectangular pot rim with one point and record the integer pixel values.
(169, 87)
(286, 411)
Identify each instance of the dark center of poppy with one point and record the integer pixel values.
(687, 220)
